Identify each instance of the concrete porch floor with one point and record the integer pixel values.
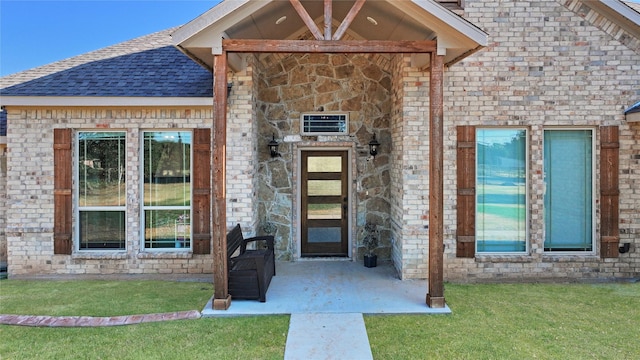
(315, 286)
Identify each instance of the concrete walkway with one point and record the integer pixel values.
(327, 300)
(327, 336)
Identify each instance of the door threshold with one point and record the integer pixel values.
(324, 258)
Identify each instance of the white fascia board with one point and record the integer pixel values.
(203, 21)
(623, 10)
(453, 20)
(113, 101)
(208, 27)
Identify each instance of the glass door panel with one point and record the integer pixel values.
(324, 195)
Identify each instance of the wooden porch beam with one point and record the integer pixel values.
(435, 294)
(355, 9)
(304, 15)
(328, 46)
(221, 297)
(328, 17)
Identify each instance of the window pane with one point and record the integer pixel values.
(167, 229)
(101, 171)
(320, 164)
(568, 198)
(102, 230)
(324, 187)
(501, 204)
(324, 211)
(325, 235)
(167, 168)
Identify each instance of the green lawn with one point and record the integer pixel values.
(101, 298)
(510, 321)
(518, 321)
(221, 338)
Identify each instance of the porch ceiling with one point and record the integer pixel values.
(377, 20)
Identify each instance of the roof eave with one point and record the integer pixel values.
(619, 13)
(207, 31)
(221, 16)
(106, 101)
(461, 25)
(633, 117)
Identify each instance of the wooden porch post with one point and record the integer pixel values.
(435, 294)
(221, 297)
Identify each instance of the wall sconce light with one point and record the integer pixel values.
(624, 248)
(273, 147)
(229, 87)
(373, 146)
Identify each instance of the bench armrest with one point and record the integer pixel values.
(268, 238)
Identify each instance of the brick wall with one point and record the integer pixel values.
(410, 175)
(548, 64)
(242, 163)
(29, 184)
(545, 66)
(3, 202)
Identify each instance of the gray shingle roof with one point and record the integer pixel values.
(147, 66)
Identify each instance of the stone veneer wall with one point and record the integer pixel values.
(29, 204)
(548, 64)
(294, 84)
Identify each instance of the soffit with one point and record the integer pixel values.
(620, 13)
(377, 20)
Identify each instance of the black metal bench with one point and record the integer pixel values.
(250, 271)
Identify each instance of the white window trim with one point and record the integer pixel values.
(143, 207)
(594, 195)
(76, 197)
(526, 201)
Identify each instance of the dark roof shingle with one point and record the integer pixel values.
(148, 66)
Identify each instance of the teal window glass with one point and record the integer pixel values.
(167, 189)
(501, 189)
(568, 201)
(101, 192)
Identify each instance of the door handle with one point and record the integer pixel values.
(345, 207)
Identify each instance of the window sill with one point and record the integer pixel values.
(165, 255)
(564, 257)
(512, 258)
(103, 255)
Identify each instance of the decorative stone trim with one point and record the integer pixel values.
(91, 321)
